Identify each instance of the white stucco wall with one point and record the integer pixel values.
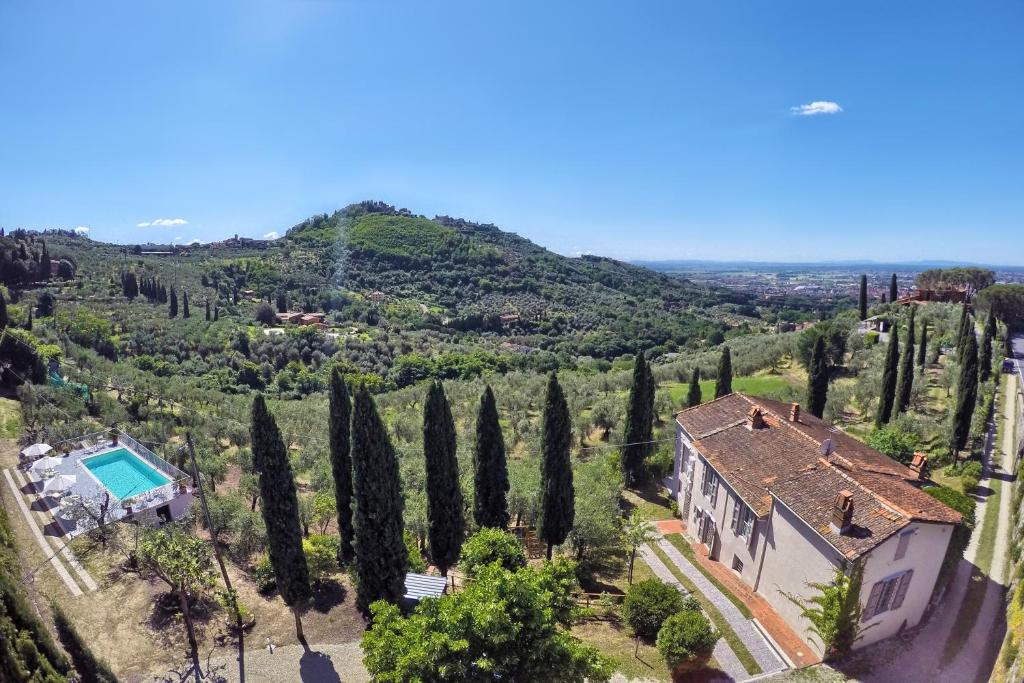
(924, 555)
(794, 556)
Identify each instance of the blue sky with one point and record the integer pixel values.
(636, 130)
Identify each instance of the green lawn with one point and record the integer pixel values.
(769, 386)
(742, 653)
(10, 419)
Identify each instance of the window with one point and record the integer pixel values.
(887, 594)
(904, 541)
(705, 527)
(742, 520)
(737, 564)
(709, 485)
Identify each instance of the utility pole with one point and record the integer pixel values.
(232, 595)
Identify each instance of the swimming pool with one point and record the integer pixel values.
(124, 474)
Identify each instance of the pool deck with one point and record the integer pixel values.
(91, 491)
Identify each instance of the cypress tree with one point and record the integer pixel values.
(817, 378)
(557, 509)
(282, 302)
(339, 432)
(985, 352)
(173, 310)
(723, 385)
(216, 313)
(863, 299)
(490, 469)
(889, 369)
(693, 395)
(28, 321)
(961, 333)
(894, 291)
(446, 525)
(4, 319)
(44, 263)
(922, 348)
(381, 556)
(639, 421)
(207, 310)
(184, 305)
(905, 384)
(966, 395)
(883, 297)
(280, 511)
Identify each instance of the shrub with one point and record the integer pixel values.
(488, 546)
(970, 475)
(416, 563)
(897, 443)
(648, 604)
(686, 637)
(263, 575)
(321, 555)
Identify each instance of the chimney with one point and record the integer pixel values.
(842, 512)
(755, 419)
(919, 464)
(794, 412)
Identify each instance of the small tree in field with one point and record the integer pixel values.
(635, 532)
(183, 562)
(648, 604)
(693, 396)
(723, 384)
(488, 546)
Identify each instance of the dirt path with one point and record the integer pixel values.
(920, 660)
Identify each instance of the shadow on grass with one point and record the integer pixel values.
(330, 593)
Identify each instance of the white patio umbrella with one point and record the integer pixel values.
(59, 483)
(43, 464)
(37, 449)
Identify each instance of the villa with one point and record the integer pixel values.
(784, 501)
(107, 477)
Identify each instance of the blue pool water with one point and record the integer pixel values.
(124, 474)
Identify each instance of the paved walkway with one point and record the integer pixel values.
(341, 663)
(763, 653)
(723, 654)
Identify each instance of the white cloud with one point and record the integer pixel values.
(815, 108)
(82, 230)
(272, 235)
(177, 239)
(194, 240)
(162, 223)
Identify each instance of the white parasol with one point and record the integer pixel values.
(43, 464)
(37, 449)
(59, 483)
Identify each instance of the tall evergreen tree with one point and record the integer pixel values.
(558, 498)
(966, 395)
(894, 292)
(172, 312)
(130, 286)
(207, 310)
(985, 352)
(4, 318)
(723, 385)
(693, 394)
(862, 300)
(216, 313)
(184, 305)
(962, 330)
(639, 421)
(889, 370)
(44, 264)
(280, 510)
(490, 469)
(28, 321)
(282, 302)
(817, 378)
(381, 556)
(446, 527)
(905, 383)
(922, 348)
(339, 432)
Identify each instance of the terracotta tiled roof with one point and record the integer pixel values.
(785, 460)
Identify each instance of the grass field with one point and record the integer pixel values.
(769, 386)
(10, 419)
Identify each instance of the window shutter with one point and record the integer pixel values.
(736, 516)
(876, 593)
(714, 491)
(901, 592)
